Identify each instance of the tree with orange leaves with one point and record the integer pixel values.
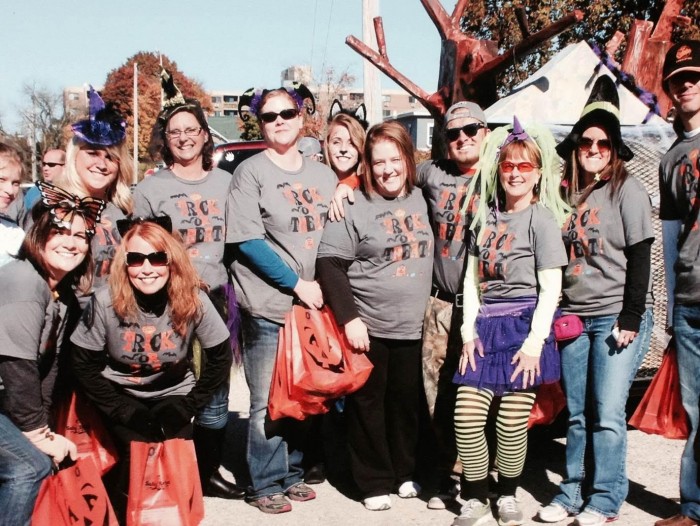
(119, 90)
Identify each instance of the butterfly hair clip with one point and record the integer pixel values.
(64, 206)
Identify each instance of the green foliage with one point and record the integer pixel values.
(250, 130)
(496, 20)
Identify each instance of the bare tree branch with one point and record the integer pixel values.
(439, 16)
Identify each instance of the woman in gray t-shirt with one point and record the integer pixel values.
(607, 284)
(511, 290)
(375, 269)
(36, 304)
(132, 351)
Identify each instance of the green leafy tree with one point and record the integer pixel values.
(119, 90)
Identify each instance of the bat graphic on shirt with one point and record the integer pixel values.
(177, 196)
(283, 185)
(169, 353)
(448, 185)
(385, 214)
(217, 218)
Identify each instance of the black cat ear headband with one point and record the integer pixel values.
(249, 102)
(359, 113)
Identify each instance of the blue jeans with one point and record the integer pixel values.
(686, 328)
(22, 468)
(274, 465)
(596, 377)
(214, 415)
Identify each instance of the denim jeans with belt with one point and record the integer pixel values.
(22, 468)
(596, 377)
(686, 328)
(273, 463)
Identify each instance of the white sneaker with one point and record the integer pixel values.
(592, 518)
(409, 490)
(552, 513)
(509, 513)
(378, 503)
(474, 513)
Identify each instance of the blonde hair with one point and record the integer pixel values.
(183, 284)
(357, 138)
(119, 193)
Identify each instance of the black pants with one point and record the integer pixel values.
(382, 417)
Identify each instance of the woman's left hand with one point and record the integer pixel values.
(528, 365)
(624, 338)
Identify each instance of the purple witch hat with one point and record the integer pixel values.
(517, 134)
(104, 125)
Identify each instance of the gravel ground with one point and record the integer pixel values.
(653, 464)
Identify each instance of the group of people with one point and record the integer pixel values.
(451, 276)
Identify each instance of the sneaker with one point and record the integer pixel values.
(509, 513)
(553, 513)
(592, 518)
(409, 490)
(445, 498)
(474, 513)
(276, 503)
(300, 492)
(378, 503)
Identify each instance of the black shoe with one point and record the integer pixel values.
(221, 488)
(315, 475)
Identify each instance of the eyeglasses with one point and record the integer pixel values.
(470, 130)
(585, 144)
(156, 259)
(190, 132)
(51, 165)
(271, 116)
(524, 168)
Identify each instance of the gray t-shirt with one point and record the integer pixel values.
(679, 177)
(596, 235)
(286, 209)
(391, 245)
(445, 189)
(104, 243)
(197, 212)
(514, 247)
(33, 321)
(148, 359)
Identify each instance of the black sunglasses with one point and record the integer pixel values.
(470, 130)
(271, 116)
(156, 259)
(51, 165)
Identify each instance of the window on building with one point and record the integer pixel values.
(387, 98)
(73, 96)
(411, 100)
(386, 113)
(230, 98)
(230, 113)
(429, 140)
(216, 99)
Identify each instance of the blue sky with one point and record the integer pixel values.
(232, 44)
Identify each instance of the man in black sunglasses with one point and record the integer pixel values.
(444, 183)
(52, 164)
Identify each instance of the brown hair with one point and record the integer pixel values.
(159, 139)
(394, 132)
(357, 137)
(43, 227)
(615, 173)
(183, 284)
(13, 156)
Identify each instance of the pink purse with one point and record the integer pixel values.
(567, 327)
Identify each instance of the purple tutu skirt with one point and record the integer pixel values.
(502, 326)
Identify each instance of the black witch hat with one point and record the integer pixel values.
(602, 109)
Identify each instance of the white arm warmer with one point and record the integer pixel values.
(470, 300)
(547, 300)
